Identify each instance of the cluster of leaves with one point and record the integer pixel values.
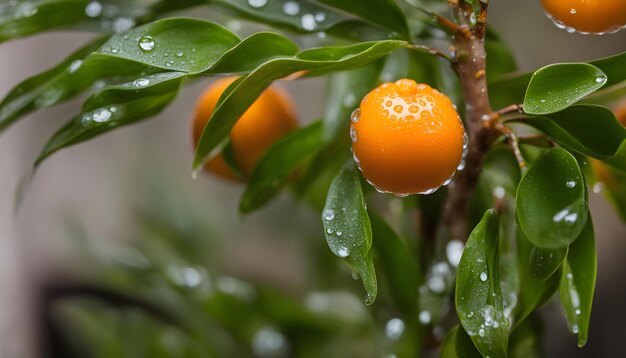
(539, 242)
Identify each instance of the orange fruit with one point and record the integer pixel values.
(620, 113)
(407, 138)
(587, 16)
(270, 117)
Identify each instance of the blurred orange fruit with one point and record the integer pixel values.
(591, 16)
(407, 138)
(270, 117)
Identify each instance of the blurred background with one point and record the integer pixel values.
(85, 202)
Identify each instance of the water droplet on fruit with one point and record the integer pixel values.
(353, 134)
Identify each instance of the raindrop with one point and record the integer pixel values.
(483, 276)
(102, 115)
(93, 9)
(308, 22)
(268, 342)
(123, 24)
(74, 66)
(454, 251)
(499, 192)
(425, 317)
(481, 332)
(575, 328)
(141, 82)
(320, 17)
(291, 8)
(353, 134)
(147, 43)
(572, 11)
(571, 184)
(179, 54)
(328, 214)
(436, 284)
(343, 252)
(339, 232)
(577, 311)
(394, 328)
(257, 3)
(601, 79)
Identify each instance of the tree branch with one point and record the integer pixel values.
(469, 63)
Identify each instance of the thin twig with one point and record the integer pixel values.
(429, 50)
(514, 144)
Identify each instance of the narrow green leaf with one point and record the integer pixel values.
(316, 61)
(397, 264)
(115, 107)
(533, 292)
(588, 129)
(345, 91)
(578, 282)
(278, 163)
(526, 341)
(47, 88)
(612, 184)
(385, 13)
(458, 344)
(545, 262)
(347, 226)
(556, 87)
(552, 200)
(478, 297)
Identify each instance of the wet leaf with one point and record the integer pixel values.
(347, 226)
(458, 344)
(545, 262)
(556, 87)
(385, 13)
(552, 200)
(578, 282)
(478, 296)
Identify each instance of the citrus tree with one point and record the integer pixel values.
(425, 104)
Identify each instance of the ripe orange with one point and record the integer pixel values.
(587, 16)
(407, 138)
(270, 117)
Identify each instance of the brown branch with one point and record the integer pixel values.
(469, 64)
(429, 50)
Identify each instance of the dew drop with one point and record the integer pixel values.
(307, 21)
(257, 4)
(454, 251)
(499, 192)
(575, 328)
(570, 184)
(328, 214)
(394, 328)
(93, 9)
(343, 252)
(74, 66)
(179, 54)
(353, 134)
(102, 115)
(601, 79)
(356, 115)
(291, 8)
(425, 317)
(483, 276)
(320, 17)
(147, 43)
(268, 342)
(141, 82)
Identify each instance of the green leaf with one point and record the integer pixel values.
(478, 297)
(175, 44)
(316, 61)
(545, 262)
(532, 292)
(114, 107)
(578, 282)
(458, 344)
(397, 264)
(303, 16)
(278, 163)
(556, 87)
(511, 89)
(47, 88)
(418, 66)
(347, 226)
(525, 341)
(385, 13)
(552, 200)
(345, 91)
(588, 129)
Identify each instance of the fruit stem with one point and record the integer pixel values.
(469, 63)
